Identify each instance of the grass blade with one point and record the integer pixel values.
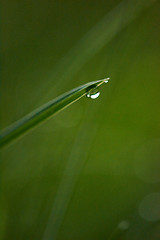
(44, 112)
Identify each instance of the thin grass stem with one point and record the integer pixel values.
(44, 112)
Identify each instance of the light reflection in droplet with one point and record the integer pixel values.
(106, 80)
(93, 95)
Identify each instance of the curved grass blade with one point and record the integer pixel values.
(44, 112)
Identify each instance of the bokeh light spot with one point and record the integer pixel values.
(149, 208)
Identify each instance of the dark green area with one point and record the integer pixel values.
(88, 169)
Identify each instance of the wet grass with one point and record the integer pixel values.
(44, 112)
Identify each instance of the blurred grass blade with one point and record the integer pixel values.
(92, 42)
(72, 172)
(46, 111)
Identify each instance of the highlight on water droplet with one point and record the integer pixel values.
(106, 80)
(93, 95)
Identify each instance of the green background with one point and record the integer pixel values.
(87, 172)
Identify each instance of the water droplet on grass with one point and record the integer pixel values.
(93, 95)
(106, 80)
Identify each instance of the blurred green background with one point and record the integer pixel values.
(93, 170)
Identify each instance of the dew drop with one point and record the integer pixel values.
(106, 80)
(93, 95)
